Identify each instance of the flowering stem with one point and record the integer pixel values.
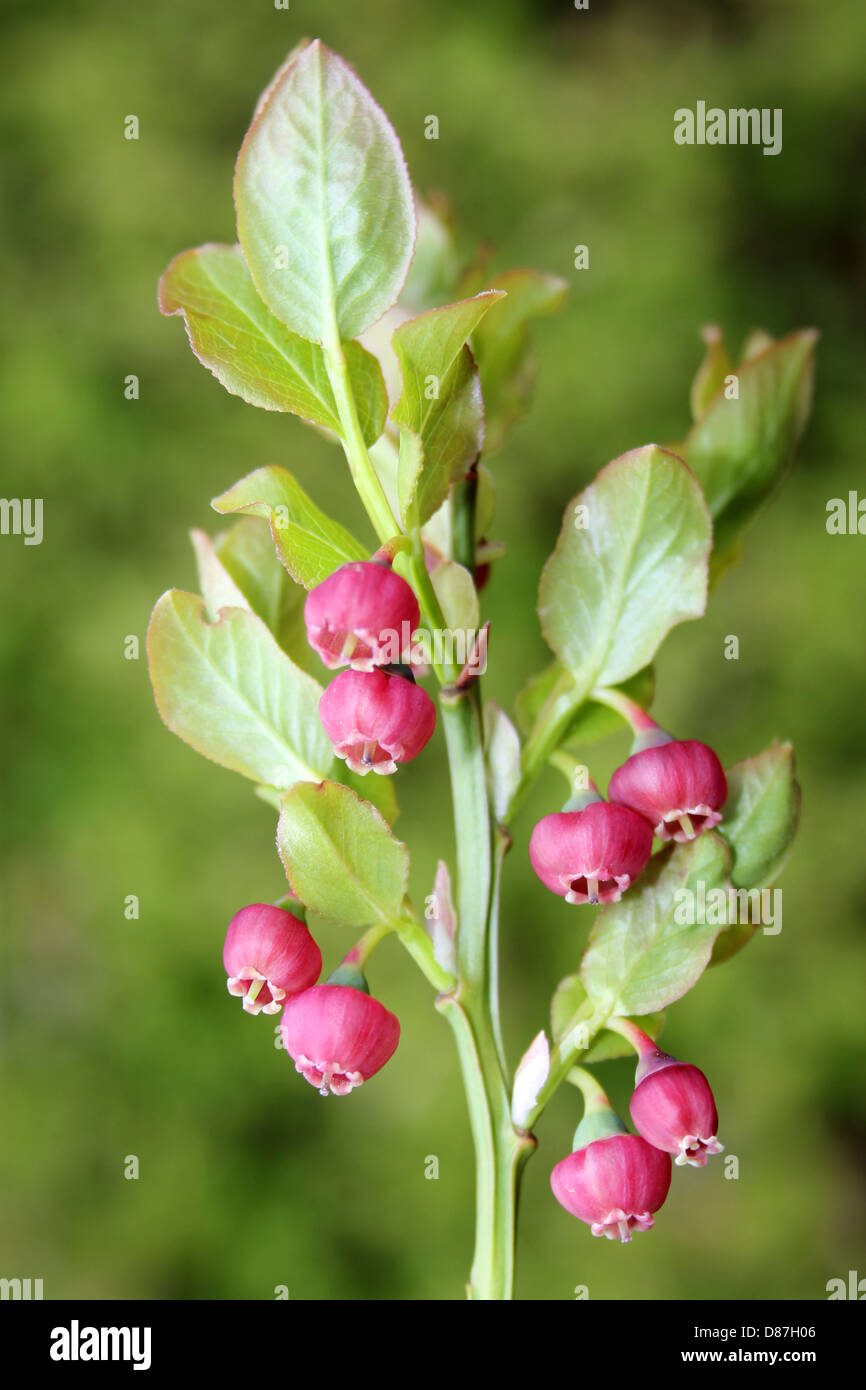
(364, 946)
(633, 713)
(640, 1041)
(594, 1095)
(548, 731)
(420, 948)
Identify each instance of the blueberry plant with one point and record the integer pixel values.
(343, 304)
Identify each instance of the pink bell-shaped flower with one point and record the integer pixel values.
(678, 786)
(376, 720)
(674, 1109)
(338, 1036)
(614, 1181)
(268, 955)
(363, 615)
(615, 1185)
(593, 855)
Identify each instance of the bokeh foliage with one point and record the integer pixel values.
(118, 1038)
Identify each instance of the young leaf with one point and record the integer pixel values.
(325, 212)
(228, 690)
(740, 449)
(218, 588)
(568, 997)
(761, 815)
(503, 758)
(309, 543)
(630, 563)
(458, 599)
(533, 1070)
(339, 855)
(441, 401)
(647, 950)
(440, 920)
(433, 273)
(757, 342)
(710, 376)
(253, 354)
(500, 346)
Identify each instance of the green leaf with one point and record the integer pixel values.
(593, 721)
(441, 400)
(570, 996)
(228, 690)
(253, 354)
(644, 951)
(410, 466)
(324, 203)
(339, 855)
(741, 448)
(502, 753)
(710, 376)
(309, 543)
(246, 552)
(628, 566)
(500, 346)
(761, 815)
(381, 792)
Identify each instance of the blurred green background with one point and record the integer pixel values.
(118, 1038)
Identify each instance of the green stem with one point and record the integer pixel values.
(502, 845)
(364, 475)
(473, 1011)
(501, 1152)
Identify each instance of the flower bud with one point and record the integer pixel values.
(614, 1184)
(680, 788)
(338, 1036)
(673, 1108)
(269, 954)
(363, 615)
(376, 720)
(590, 856)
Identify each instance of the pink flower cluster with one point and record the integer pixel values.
(374, 713)
(674, 790)
(616, 1183)
(337, 1035)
